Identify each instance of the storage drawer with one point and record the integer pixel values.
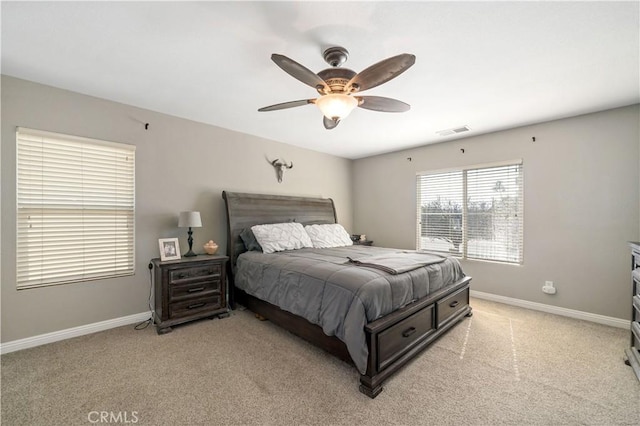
(193, 306)
(448, 307)
(194, 289)
(636, 276)
(635, 330)
(182, 275)
(400, 337)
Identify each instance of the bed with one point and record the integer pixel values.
(349, 301)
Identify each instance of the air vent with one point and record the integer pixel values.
(453, 131)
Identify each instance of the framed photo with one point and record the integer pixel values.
(169, 249)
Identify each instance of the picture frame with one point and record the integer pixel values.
(169, 249)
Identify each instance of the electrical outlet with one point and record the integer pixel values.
(548, 287)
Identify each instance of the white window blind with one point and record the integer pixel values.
(76, 205)
(476, 213)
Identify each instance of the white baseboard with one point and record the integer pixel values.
(56, 336)
(600, 319)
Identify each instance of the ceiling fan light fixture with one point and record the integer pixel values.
(336, 106)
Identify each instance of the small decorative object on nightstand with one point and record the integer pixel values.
(169, 249)
(360, 240)
(211, 247)
(189, 289)
(633, 351)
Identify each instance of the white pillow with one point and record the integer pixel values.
(330, 235)
(281, 236)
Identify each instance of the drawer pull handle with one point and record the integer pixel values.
(408, 332)
(193, 290)
(453, 304)
(195, 305)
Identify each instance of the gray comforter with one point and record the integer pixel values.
(327, 288)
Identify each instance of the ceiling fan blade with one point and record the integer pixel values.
(286, 105)
(329, 123)
(381, 72)
(379, 103)
(300, 72)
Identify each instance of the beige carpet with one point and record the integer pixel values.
(504, 365)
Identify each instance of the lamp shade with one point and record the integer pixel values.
(336, 106)
(189, 220)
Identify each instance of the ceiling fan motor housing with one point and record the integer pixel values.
(336, 78)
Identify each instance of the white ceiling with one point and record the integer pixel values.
(488, 65)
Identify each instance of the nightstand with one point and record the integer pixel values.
(189, 289)
(363, 243)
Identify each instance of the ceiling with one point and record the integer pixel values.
(487, 65)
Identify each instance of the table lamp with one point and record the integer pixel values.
(190, 220)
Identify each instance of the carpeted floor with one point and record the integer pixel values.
(504, 365)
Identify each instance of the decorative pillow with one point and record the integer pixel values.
(249, 240)
(281, 236)
(331, 235)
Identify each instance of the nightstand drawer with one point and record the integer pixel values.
(194, 306)
(183, 275)
(447, 308)
(195, 289)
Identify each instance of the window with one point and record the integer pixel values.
(75, 209)
(476, 213)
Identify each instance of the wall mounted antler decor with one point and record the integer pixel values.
(280, 165)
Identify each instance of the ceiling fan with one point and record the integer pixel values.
(338, 86)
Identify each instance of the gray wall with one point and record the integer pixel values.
(581, 186)
(582, 201)
(181, 165)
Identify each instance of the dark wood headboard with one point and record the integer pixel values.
(246, 210)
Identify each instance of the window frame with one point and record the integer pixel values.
(84, 192)
(463, 250)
